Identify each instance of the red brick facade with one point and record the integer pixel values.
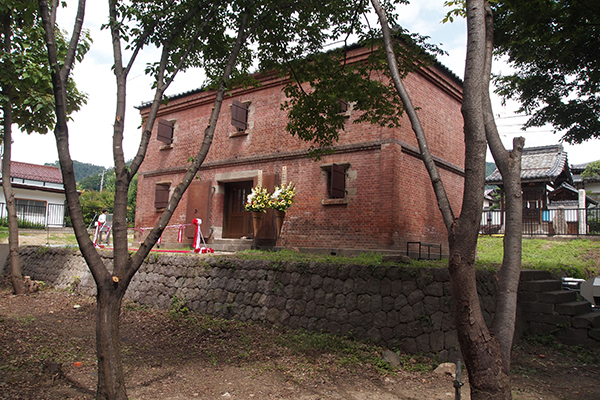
(389, 198)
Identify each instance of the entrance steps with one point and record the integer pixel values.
(548, 309)
(231, 245)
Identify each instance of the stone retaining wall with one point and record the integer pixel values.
(399, 306)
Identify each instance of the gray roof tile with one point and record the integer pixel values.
(538, 164)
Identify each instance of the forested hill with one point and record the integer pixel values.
(82, 170)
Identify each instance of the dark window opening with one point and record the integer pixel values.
(239, 115)
(343, 106)
(336, 182)
(165, 131)
(161, 196)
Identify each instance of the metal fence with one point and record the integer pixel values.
(550, 221)
(48, 215)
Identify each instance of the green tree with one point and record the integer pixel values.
(314, 116)
(93, 202)
(26, 96)
(553, 45)
(226, 40)
(591, 171)
(104, 178)
(486, 351)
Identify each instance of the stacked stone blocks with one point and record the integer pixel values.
(546, 308)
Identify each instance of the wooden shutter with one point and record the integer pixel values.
(199, 195)
(165, 131)
(344, 106)
(337, 188)
(239, 115)
(161, 196)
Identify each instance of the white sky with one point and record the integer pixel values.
(91, 128)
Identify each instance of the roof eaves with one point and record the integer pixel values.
(436, 63)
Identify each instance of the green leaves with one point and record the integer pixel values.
(553, 45)
(321, 81)
(591, 171)
(457, 11)
(26, 79)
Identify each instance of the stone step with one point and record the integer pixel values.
(231, 245)
(589, 320)
(536, 307)
(548, 285)
(535, 275)
(557, 297)
(574, 308)
(577, 337)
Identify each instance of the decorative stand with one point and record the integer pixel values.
(256, 221)
(279, 217)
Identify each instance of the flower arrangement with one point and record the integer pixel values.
(258, 200)
(282, 197)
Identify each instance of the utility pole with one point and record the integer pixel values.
(102, 179)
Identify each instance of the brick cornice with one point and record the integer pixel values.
(291, 155)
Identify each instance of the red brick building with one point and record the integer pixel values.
(386, 198)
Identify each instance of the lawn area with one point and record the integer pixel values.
(575, 258)
(578, 258)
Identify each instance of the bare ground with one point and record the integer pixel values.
(47, 351)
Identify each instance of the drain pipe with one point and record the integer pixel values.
(457, 383)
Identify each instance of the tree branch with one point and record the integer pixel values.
(438, 185)
(153, 236)
(158, 95)
(72, 51)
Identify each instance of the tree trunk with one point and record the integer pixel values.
(480, 349)
(111, 380)
(509, 165)
(16, 276)
(9, 196)
(113, 285)
(510, 272)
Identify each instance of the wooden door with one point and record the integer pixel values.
(199, 196)
(238, 221)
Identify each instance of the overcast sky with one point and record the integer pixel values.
(91, 128)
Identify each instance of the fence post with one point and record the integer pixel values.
(582, 217)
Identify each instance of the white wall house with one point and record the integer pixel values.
(590, 185)
(39, 193)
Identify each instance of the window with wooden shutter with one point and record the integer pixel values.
(239, 115)
(337, 182)
(161, 196)
(165, 131)
(344, 106)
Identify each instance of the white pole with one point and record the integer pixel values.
(102, 180)
(582, 218)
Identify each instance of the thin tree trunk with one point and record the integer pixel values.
(16, 276)
(112, 289)
(509, 165)
(9, 195)
(510, 272)
(436, 180)
(480, 350)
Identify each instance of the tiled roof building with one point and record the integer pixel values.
(44, 173)
(539, 164)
